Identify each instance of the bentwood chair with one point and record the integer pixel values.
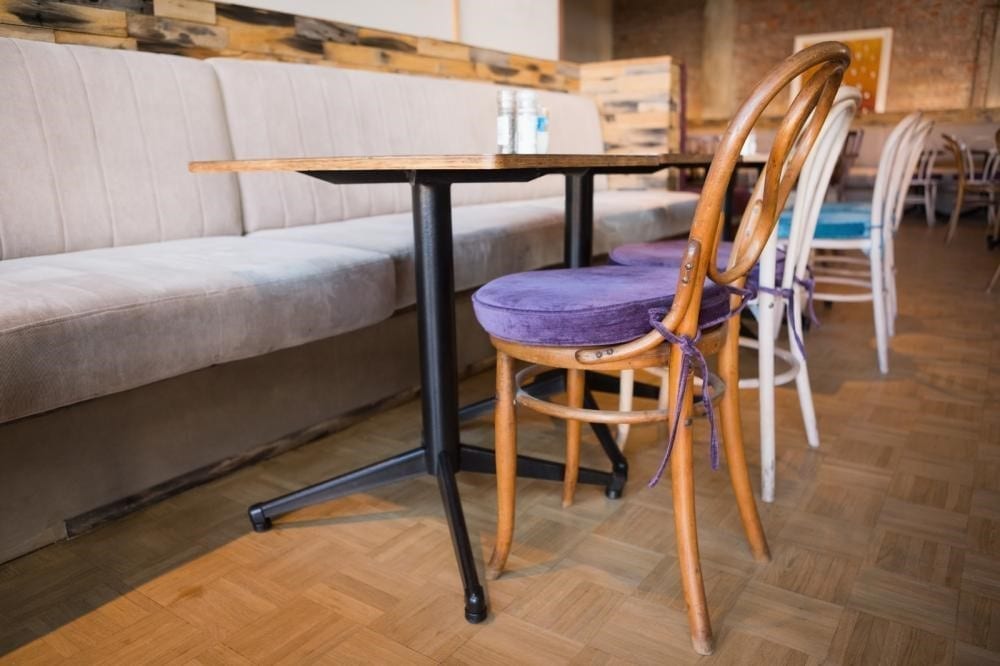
(925, 186)
(982, 188)
(861, 234)
(790, 264)
(848, 156)
(610, 318)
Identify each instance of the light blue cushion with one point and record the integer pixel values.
(833, 224)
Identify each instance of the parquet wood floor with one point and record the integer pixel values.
(886, 540)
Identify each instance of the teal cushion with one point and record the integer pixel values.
(833, 224)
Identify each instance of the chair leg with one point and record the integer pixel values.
(682, 484)
(993, 280)
(889, 271)
(626, 386)
(765, 373)
(929, 203)
(953, 221)
(574, 398)
(732, 436)
(802, 384)
(505, 428)
(879, 311)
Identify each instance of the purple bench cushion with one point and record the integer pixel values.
(599, 305)
(671, 253)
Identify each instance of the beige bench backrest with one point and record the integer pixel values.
(292, 110)
(95, 149)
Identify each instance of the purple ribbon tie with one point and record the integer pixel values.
(788, 295)
(692, 355)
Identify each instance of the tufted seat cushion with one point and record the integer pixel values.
(671, 253)
(598, 305)
(80, 325)
(489, 240)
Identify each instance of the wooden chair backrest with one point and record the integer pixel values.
(793, 141)
(796, 134)
(965, 163)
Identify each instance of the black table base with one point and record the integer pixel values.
(441, 454)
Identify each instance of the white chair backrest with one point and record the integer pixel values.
(814, 181)
(991, 166)
(894, 159)
(970, 164)
(909, 155)
(925, 165)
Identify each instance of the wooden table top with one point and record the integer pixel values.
(453, 162)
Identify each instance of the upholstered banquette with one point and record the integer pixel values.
(155, 324)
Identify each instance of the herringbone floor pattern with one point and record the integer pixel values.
(886, 540)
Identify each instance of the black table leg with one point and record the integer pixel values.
(578, 245)
(439, 368)
(439, 454)
(403, 466)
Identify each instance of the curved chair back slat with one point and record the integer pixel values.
(891, 165)
(925, 165)
(794, 139)
(914, 151)
(957, 150)
(813, 183)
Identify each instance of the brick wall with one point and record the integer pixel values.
(933, 55)
(653, 27)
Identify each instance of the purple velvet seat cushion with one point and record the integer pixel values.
(598, 305)
(671, 253)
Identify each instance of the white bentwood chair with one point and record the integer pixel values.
(924, 187)
(862, 235)
(767, 306)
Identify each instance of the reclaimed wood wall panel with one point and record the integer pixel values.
(639, 102)
(203, 29)
(64, 16)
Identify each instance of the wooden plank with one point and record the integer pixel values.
(27, 32)
(390, 41)
(68, 37)
(325, 31)
(179, 33)
(549, 67)
(198, 52)
(269, 33)
(131, 6)
(61, 16)
(520, 77)
(368, 57)
(198, 11)
(437, 48)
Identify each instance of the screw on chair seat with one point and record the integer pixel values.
(671, 253)
(592, 306)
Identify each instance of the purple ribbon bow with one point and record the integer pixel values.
(691, 354)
